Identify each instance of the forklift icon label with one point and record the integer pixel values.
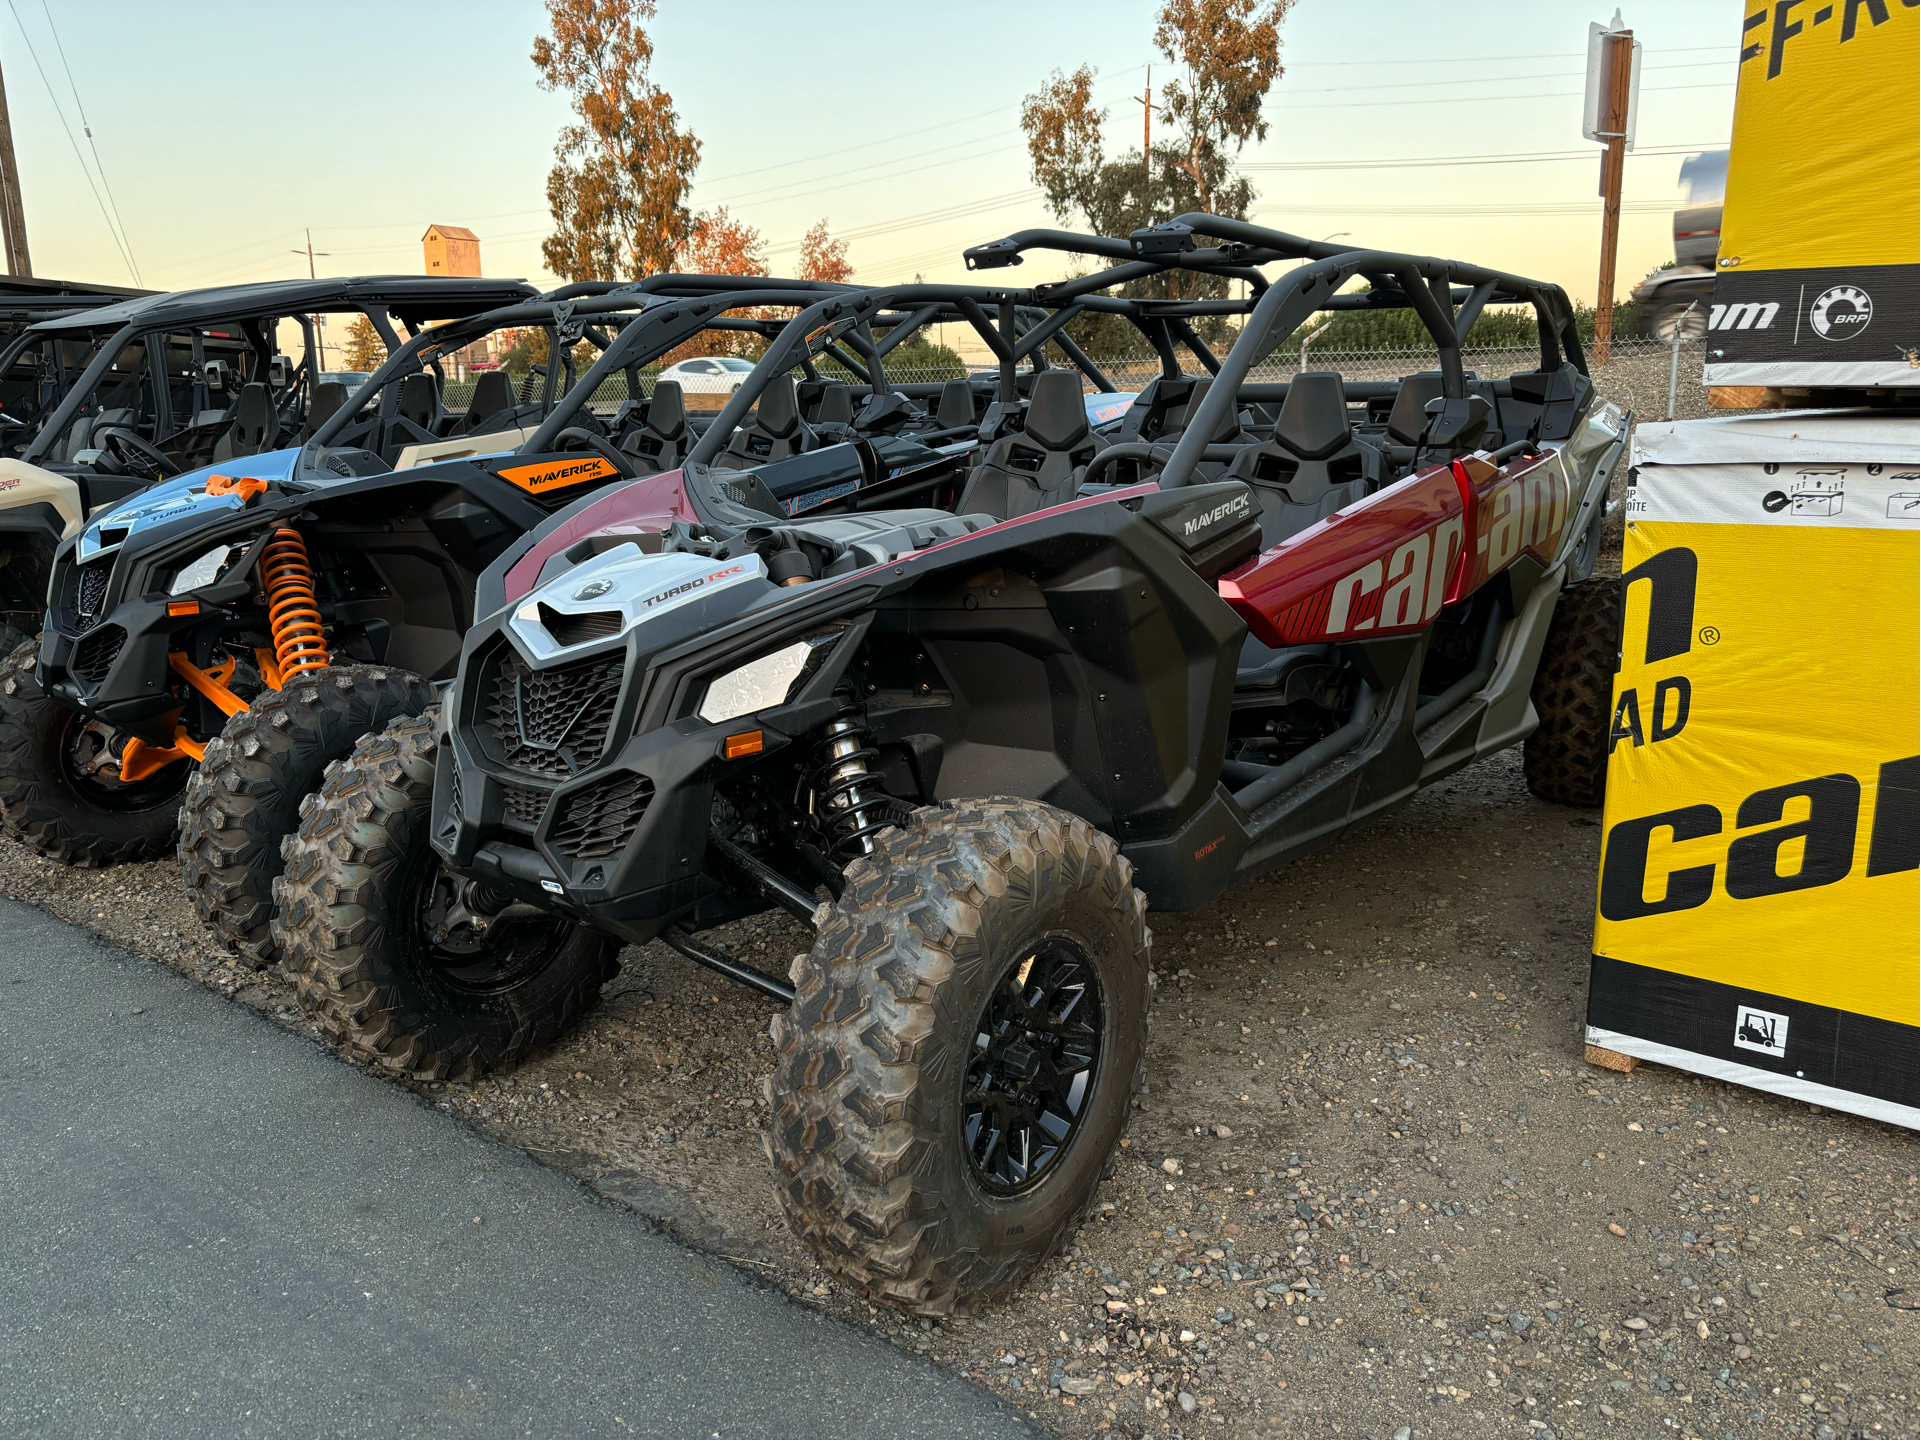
(1763, 1031)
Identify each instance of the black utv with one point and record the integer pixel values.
(969, 734)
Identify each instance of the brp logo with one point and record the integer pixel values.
(593, 590)
(1841, 311)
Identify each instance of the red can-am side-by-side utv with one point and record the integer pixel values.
(971, 743)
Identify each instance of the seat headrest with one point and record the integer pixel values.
(836, 406)
(667, 410)
(1408, 420)
(779, 408)
(1057, 416)
(418, 399)
(956, 405)
(253, 412)
(328, 396)
(493, 392)
(1225, 429)
(1313, 420)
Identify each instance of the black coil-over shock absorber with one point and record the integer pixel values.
(848, 799)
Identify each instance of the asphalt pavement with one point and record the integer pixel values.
(214, 1227)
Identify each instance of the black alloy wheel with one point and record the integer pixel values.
(483, 950)
(1035, 1061)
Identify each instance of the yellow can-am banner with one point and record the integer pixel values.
(1818, 280)
(1757, 901)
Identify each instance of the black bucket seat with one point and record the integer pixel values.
(1312, 466)
(256, 424)
(777, 431)
(660, 441)
(1040, 465)
(493, 393)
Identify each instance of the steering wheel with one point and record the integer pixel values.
(136, 455)
(578, 435)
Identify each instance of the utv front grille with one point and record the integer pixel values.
(599, 821)
(90, 589)
(553, 722)
(579, 629)
(96, 653)
(524, 804)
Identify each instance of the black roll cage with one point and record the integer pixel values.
(245, 307)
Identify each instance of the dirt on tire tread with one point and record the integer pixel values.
(234, 813)
(1565, 759)
(841, 1136)
(329, 902)
(26, 817)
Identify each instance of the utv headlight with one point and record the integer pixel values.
(203, 571)
(772, 679)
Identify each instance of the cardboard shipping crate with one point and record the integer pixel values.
(1758, 892)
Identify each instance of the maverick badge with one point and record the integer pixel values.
(557, 474)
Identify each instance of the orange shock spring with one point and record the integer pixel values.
(293, 610)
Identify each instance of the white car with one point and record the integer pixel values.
(709, 374)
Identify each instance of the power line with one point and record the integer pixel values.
(1478, 99)
(1525, 157)
(1481, 80)
(80, 105)
(60, 114)
(1472, 59)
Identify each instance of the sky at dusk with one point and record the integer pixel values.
(227, 130)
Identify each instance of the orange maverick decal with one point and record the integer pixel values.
(556, 474)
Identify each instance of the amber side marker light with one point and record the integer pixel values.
(183, 607)
(748, 743)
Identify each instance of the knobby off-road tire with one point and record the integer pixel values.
(81, 819)
(869, 1135)
(1567, 755)
(351, 924)
(245, 798)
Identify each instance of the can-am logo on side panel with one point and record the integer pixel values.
(593, 590)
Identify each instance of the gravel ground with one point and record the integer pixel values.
(1371, 1189)
(1371, 1186)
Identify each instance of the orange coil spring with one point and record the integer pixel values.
(293, 610)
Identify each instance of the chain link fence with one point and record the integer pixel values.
(1636, 376)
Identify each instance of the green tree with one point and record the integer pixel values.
(1228, 52)
(619, 184)
(364, 350)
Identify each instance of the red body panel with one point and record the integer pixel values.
(1520, 510)
(1388, 564)
(648, 505)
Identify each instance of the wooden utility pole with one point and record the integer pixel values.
(1147, 120)
(13, 214)
(1620, 72)
(310, 253)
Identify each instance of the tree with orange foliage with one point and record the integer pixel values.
(618, 188)
(822, 257)
(718, 244)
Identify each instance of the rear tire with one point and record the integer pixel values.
(883, 1101)
(352, 922)
(245, 798)
(1566, 757)
(82, 815)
